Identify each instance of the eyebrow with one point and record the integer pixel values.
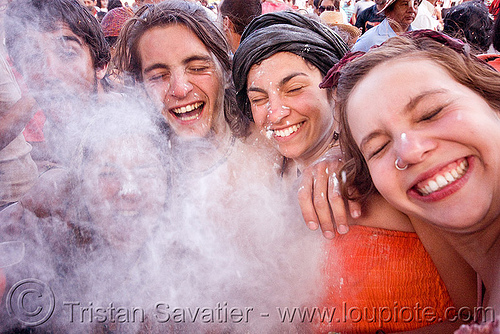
(414, 101)
(280, 84)
(184, 62)
(368, 138)
(412, 104)
(67, 38)
(154, 67)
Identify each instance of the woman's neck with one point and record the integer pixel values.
(481, 250)
(317, 152)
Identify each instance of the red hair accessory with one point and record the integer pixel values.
(331, 78)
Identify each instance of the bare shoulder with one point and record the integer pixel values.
(377, 212)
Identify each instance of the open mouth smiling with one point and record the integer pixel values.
(445, 177)
(188, 112)
(285, 132)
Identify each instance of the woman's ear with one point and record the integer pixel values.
(100, 72)
(228, 24)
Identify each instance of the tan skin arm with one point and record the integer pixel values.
(319, 196)
(14, 119)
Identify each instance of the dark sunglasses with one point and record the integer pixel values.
(327, 8)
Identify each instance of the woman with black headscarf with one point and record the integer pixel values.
(284, 32)
(277, 70)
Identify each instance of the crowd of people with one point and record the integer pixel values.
(164, 159)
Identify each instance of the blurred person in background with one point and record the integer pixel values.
(371, 17)
(112, 24)
(18, 171)
(236, 15)
(492, 56)
(91, 5)
(60, 50)
(112, 4)
(471, 23)
(269, 6)
(360, 6)
(102, 9)
(426, 17)
(399, 15)
(348, 7)
(332, 6)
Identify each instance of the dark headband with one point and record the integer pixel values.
(283, 32)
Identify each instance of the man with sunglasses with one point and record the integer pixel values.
(332, 6)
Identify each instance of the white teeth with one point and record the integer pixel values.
(189, 118)
(433, 185)
(185, 109)
(288, 131)
(443, 180)
(449, 177)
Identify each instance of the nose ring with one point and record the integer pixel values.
(398, 167)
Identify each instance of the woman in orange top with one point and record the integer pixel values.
(277, 78)
(437, 126)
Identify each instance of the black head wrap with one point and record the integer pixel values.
(277, 32)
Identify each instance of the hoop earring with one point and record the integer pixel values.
(396, 163)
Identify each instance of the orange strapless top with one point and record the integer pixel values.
(380, 279)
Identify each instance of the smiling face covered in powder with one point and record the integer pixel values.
(182, 60)
(290, 108)
(185, 83)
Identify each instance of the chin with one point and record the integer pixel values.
(191, 135)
